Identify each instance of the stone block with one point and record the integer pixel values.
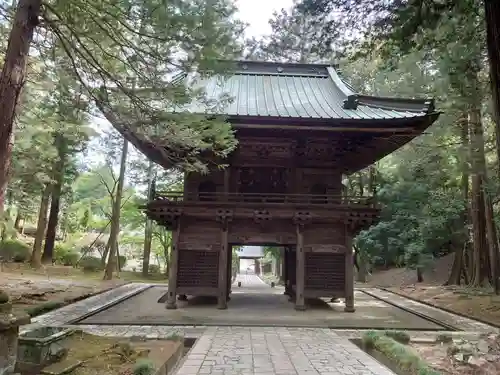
(9, 336)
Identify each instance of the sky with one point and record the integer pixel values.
(258, 12)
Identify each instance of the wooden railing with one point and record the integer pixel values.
(297, 199)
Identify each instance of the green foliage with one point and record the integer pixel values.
(15, 250)
(144, 366)
(4, 297)
(91, 264)
(403, 356)
(122, 261)
(65, 255)
(400, 336)
(44, 308)
(154, 268)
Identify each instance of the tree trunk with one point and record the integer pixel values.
(40, 228)
(18, 221)
(115, 216)
(478, 174)
(420, 275)
(12, 80)
(372, 172)
(362, 270)
(458, 261)
(50, 237)
(361, 184)
(55, 203)
(492, 15)
(148, 229)
(492, 242)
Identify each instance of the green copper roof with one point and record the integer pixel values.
(312, 91)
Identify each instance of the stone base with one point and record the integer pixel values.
(349, 309)
(171, 306)
(300, 307)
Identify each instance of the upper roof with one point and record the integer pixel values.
(306, 91)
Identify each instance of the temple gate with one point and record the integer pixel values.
(300, 129)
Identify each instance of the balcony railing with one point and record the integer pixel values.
(257, 198)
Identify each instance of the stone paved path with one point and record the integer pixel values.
(277, 351)
(77, 310)
(463, 323)
(258, 350)
(250, 281)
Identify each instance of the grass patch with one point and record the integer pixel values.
(44, 308)
(68, 272)
(401, 355)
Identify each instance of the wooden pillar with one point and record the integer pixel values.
(281, 265)
(286, 274)
(174, 262)
(300, 270)
(223, 258)
(229, 276)
(226, 181)
(349, 273)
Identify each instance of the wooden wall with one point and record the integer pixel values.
(199, 247)
(325, 253)
(306, 178)
(193, 180)
(305, 167)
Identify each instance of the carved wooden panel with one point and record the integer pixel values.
(309, 180)
(268, 232)
(263, 180)
(198, 268)
(192, 181)
(325, 271)
(251, 150)
(200, 235)
(322, 248)
(326, 234)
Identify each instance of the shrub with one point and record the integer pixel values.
(43, 308)
(404, 357)
(4, 297)
(399, 336)
(15, 250)
(63, 254)
(144, 367)
(91, 264)
(70, 259)
(122, 261)
(154, 268)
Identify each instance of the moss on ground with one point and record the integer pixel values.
(44, 308)
(403, 356)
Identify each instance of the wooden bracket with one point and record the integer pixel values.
(224, 216)
(170, 217)
(302, 218)
(261, 216)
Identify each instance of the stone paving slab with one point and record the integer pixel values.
(78, 309)
(277, 351)
(257, 304)
(463, 323)
(154, 332)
